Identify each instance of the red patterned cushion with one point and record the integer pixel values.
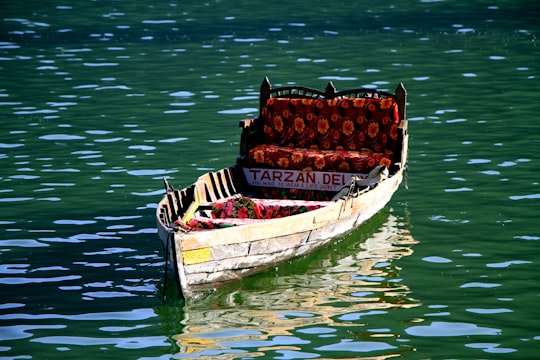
(277, 157)
(344, 135)
(296, 194)
(336, 124)
(247, 208)
(244, 210)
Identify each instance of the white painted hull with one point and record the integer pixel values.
(204, 259)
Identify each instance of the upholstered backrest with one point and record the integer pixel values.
(331, 124)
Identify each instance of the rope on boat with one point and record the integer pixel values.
(357, 186)
(167, 244)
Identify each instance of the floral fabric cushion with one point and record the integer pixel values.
(273, 156)
(336, 124)
(296, 194)
(346, 135)
(242, 210)
(247, 208)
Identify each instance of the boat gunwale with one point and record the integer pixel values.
(196, 239)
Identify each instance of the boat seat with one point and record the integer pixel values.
(345, 135)
(308, 130)
(290, 158)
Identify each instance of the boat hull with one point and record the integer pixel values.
(205, 259)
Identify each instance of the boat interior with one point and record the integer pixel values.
(306, 148)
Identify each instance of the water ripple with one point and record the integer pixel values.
(173, 140)
(27, 243)
(506, 264)
(10, 146)
(492, 348)
(524, 197)
(151, 172)
(489, 311)
(14, 332)
(107, 294)
(13, 268)
(16, 199)
(74, 222)
(182, 94)
(19, 280)
(440, 328)
(56, 137)
(100, 64)
(239, 111)
(437, 259)
(131, 315)
(479, 285)
(123, 343)
(347, 345)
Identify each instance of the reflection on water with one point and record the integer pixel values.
(326, 302)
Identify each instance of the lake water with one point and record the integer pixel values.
(101, 99)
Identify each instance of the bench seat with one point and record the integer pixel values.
(346, 134)
(279, 157)
(308, 130)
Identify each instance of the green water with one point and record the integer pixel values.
(101, 99)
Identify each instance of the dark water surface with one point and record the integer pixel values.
(101, 99)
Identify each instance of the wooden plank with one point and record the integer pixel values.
(223, 252)
(197, 200)
(229, 182)
(261, 230)
(277, 244)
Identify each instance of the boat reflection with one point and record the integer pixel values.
(326, 292)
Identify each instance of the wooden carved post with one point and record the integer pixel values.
(330, 91)
(264, 93)
(401, 99)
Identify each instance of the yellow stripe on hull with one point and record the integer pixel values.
(196, 256)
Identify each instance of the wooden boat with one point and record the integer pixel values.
(313, 165)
